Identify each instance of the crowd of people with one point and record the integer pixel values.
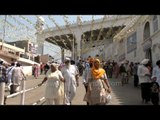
(62, 80)
(144, 76)
(11, 74)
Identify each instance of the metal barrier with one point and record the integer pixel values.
(2, 89)
(43, 98)
(22, 93)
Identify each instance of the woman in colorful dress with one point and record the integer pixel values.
(97, 83)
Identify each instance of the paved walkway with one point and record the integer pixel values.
(30, 96)
(125, 95)
(121, 95)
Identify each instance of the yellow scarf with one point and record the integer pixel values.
(97, 73)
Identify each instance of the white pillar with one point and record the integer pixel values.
(23, 83)
(40, 49)
(73, 49)
(62, 54)
(40, 42)
(78, 40)
(2, 92)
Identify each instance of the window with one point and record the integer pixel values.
(30, 47)
(146, 33)
(155, 23)
(132, 43)
(17, 53)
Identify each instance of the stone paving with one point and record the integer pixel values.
(121, 95)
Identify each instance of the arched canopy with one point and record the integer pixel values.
(63, 41)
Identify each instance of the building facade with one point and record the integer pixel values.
(82, 39)
(29, 47)
(120, 38)
(11, 53)
(143, 41)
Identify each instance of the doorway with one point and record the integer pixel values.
(149, 54)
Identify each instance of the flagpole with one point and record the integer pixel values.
(73, 50)
(4, 29)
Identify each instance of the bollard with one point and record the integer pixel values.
(2, 92)
(23, 92)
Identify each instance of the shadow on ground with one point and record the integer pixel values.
(125, 95)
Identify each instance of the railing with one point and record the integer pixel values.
(4, 98)
(41, 99)
(2, 89)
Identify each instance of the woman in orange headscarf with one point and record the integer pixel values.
(97, 83)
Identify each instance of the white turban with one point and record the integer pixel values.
(55, 65)
(153, 77)
(67, 59)
(145, 61)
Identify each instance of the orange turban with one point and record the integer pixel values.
(97, 73)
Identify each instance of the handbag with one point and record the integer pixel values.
(108, 98)
(105, 96)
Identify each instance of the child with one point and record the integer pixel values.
(154, 91)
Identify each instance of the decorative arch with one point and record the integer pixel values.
(146, 32)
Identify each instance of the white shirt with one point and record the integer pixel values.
(142, 71)
(156, 73)
(69, 74)
(86, 73)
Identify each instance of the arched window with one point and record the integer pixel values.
(146, 33)
(155, 23)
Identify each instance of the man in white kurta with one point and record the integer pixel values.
(17, 76)
(70, 74)
(156, 72)
(144, 80)
(9, 75)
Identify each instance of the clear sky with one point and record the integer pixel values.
(22, 27)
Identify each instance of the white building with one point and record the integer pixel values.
(119, 38)
(140, 40)
(87, 38)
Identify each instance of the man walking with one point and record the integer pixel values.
(71, 77)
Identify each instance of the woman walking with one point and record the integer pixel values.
(54, 91)
(96, 84)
